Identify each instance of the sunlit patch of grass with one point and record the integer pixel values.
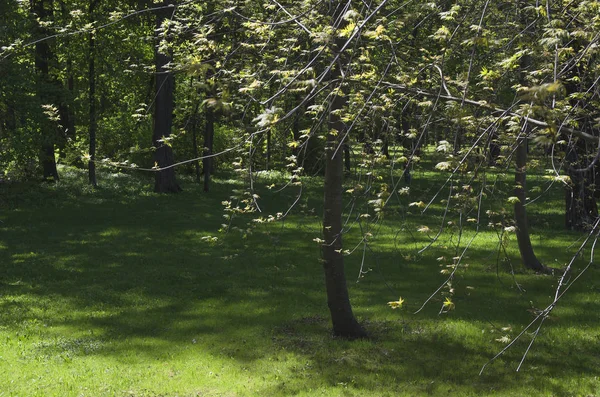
(113, 292)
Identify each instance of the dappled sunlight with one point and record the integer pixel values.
(131, 289)
(337, 198)
(110, 232)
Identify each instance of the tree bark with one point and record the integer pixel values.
(581, 209)
(528, 257)
(65, 102)
(43, 10)
(347, 159)
(407, 143)
(209, 135)
(164, 85)
(338, 300)
(309, 156)
(92, 98)
(342, 318)
(269, 135)
(195, 143)
(493, 149)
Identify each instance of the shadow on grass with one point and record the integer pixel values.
(107, 273)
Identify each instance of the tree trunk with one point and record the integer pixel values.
(48, 161)
(296, 131)
(164, 86)
(42, 56)
(494, 148)
(528, 257)
(209, 134)
(309, 156)
(407, 143)
(92, 93)
(581, 208)
(65, 101)
(385, 148)
(269, 136)
(342, 317)
(195, 143)
(344, 323)
(347, 159)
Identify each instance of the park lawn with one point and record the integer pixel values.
(117, 292)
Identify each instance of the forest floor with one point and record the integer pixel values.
(118, 291)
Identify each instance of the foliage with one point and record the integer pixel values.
(442, 91)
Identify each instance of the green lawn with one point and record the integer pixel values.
(113, 292)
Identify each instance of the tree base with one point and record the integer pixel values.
(540, 268)
(351, 332)
(170, 189)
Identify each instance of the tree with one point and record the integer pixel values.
(342, 317)
(93, 117)
(209, 130)
(164, 86)
(581, 193)
(528, 257)
(491, 78)
(42, 9)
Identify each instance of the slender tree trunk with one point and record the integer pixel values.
(347, 160)
(338, 300)
(209, 129)
(385, 148)
(458, 137)
(366, 142)
(309, 156)
(209, 113)
(494, 148)
(65, 102)
(195, 143)
(342, 317)
(92, 94)
(296, 130)
(66, 117)
(581, 209)
(528, 257)
(43, 10)
(268, 149)
(164, 85)
(209, 134)
(407, 143)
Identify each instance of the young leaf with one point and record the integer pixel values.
(396, 304)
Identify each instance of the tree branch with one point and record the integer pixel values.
(420, 92)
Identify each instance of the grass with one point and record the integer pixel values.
(113, 292)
